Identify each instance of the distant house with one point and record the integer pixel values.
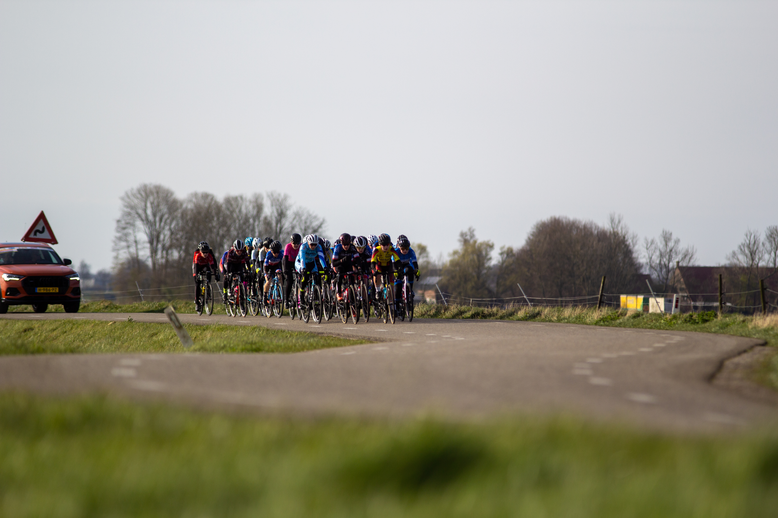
(699, 286)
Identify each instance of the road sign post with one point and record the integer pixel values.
(186, 340)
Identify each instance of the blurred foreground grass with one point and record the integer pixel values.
(95, 456)
(92, 336)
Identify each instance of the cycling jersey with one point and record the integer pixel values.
(273, 261)
(307, 255)
(223, 261)
(202, 261)
(382, 257)
(342, 258)
(409, 257)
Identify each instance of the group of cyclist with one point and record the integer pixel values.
(373, 255)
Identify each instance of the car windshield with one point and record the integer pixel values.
(29, 256)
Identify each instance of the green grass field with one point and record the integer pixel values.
(95, 456)
(92, 336)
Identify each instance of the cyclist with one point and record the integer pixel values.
(345, 259)
(223, 269)
(272, 263)
(382, 260)
(372, 241)
(407, 266)
(365, 254)
(308, 256)
(203, 260)
(290, 255)
(235, 264)
(249, 246)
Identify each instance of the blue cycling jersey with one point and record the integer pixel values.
(409, 257)
(307, 255)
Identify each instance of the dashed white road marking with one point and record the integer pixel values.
(350, 328)
(432, 341)
(715, 417)
(627, 353)
(130, 362)
(346, 354)
(123, 372)
(603, 382)
(409, 332)
(408, 345)
(594, 360)
(458, 338)
(431, 334)
(151, 386)
(381, 330)
(637, 397)
(280, 323)
(645, 349)
(380, 348)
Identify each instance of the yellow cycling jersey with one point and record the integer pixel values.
(384, 257)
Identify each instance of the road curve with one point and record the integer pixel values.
(451, 368)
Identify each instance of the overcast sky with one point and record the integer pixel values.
(419, 117)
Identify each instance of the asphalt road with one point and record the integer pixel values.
(450, 368)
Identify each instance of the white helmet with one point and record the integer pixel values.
(372, 239)
(312, 239)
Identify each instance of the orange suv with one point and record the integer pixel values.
(33, 273)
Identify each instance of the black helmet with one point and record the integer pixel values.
(276, 247)
(345, 239)
(203, 247)
(297, 239)
(384, 239)
(403, 242)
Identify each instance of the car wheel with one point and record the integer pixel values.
(71, 307)
(40, 307)
(3, 308)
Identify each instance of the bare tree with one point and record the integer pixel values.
(663, 255)
(745, 261)
(466, 273)
(282, 218)
(146, 223)
(770, 245)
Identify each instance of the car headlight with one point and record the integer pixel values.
(74, 277)
(12, 277)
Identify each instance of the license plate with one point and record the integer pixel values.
(46, 290)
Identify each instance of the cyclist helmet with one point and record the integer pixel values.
(372, 239)
(276, 247)
(267, 242)
(360, 242)
(311, 239)
(327, 244)
(384, 239)
(402, 242)
(345, 239)
(296, 238)
(401, 237)
(249, 241)
(337, 241)
(203, 247)
(238, 244)
(255, 243)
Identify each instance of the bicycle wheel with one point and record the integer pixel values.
(253, 300)
(305, 306)
(242, 300)
(276, 299)
(328, 302)
(365, 302)
(199, 302)
(316, 304)
(352, 304)
(391, 309)
(208, 299)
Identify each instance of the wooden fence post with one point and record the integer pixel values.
(761, 293)
(602, 288)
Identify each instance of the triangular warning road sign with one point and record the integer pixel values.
(40, 231)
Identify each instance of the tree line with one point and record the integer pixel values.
(156, 233)
(565, 258)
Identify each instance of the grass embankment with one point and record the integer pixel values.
(91, 336)
(92, 456)
(106, 306)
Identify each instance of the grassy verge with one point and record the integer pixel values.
(106, 306)
(93, 456)
(85, 336)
